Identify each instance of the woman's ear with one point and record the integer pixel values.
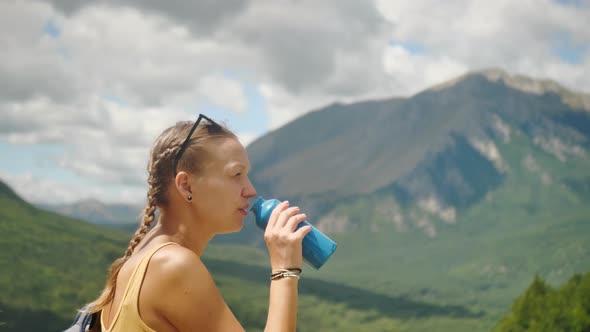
(183, 185)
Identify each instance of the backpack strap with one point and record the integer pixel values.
(84, 321)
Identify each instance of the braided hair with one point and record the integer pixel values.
(160, 173)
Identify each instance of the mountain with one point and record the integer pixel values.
(457, 195)
(96, 212)
(439, 150)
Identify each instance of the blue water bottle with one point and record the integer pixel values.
(317, 247)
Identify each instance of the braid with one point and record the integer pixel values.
(154, 191)
(160, 169)
(146, 222)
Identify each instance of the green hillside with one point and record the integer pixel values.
(50, 265)
(53, 264)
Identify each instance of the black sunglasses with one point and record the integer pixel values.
(190, 133)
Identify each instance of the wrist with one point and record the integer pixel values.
(289, 269)
(292, 273)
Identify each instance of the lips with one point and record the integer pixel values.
(244, 210)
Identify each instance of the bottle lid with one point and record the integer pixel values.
(257, 205)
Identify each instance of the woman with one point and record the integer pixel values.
(198, 179)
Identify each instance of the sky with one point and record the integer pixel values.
(87, 86)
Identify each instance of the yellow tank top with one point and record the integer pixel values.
(127, 317)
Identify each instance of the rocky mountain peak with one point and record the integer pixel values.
(537, 86)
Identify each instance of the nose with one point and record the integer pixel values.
(249, 191)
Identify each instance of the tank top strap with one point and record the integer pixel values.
(128, 308)
(136, 279)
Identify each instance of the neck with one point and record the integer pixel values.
(182, 226)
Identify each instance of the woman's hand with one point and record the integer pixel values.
(282, 237)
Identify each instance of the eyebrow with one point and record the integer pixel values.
(239, 165)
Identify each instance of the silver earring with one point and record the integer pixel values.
(190, 198)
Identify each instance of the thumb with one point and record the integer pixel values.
(302, 231)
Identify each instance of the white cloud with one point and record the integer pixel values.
(224, 93)
(404, 67)
(146, 55)
(36, 189)
(516, 36)
(139, 57)
(247, 138)
(284, 106)
(106, 142)
(41, 119)
(118, 73)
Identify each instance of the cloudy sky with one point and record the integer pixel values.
(85, 88)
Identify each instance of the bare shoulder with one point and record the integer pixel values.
(174, 269)
(176, 283)
(175, 262)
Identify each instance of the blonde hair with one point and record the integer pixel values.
(160, 175)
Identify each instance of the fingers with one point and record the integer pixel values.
(302, 232)
(284, 234)
(294, 221)
(285, 216)
(275, 214)
(285, 219)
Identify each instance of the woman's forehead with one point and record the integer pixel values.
(229, 152)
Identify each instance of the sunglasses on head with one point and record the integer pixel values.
(186, 141)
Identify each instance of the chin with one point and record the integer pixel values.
(234, 229)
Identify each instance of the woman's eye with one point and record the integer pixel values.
(238, 174)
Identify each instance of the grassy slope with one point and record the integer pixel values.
(50, 265)
(329, 306)
(413, 288)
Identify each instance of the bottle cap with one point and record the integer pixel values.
(257, 205)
